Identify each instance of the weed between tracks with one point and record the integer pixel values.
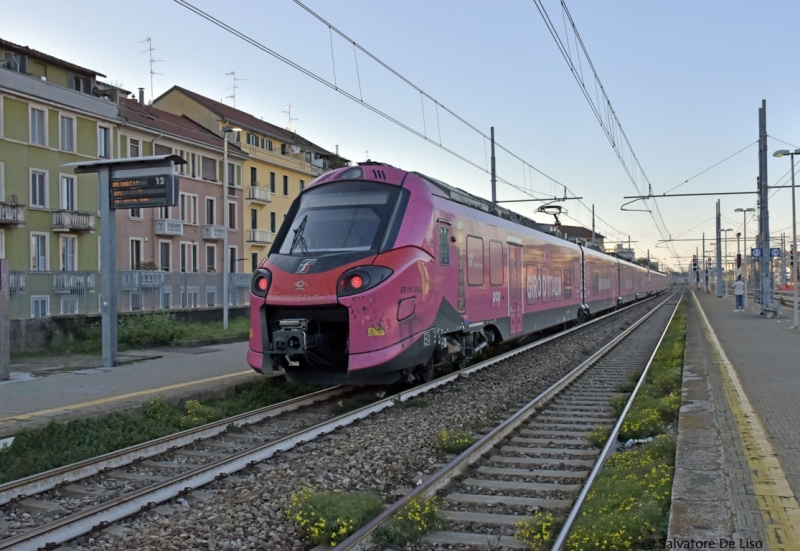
(630, 499)
(329, 517)
(40, 449)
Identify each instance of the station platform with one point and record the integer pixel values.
(45, 388)
(737, 471)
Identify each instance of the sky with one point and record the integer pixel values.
(685, 80)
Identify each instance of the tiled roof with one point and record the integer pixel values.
(179, 126)
(246, 120)
(30, 52)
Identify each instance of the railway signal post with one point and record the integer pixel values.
(125, 184)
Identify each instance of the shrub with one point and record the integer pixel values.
(415, 519)
(329, 517)
(537, 532)
(598, 436)
(147, 329)
(454, 442)
(198, 414)
(641, 423)
(618, 403)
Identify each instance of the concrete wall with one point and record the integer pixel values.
(31, 335)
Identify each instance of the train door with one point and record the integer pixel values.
(515, 288)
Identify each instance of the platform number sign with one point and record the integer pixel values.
(755, 252)
(775, 252)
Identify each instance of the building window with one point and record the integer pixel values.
(69, 306)
(136, 302)
(16, 62)
(2, 168)
(68, 199)
(253, 176)
(272, 222)
(286, 186)
(209, 169)
(189, 296)
(272, 182)
(254, 260)
(211, 258)
(159, 149)
(2, 243)
(68, 246)
(211, 210)
(283, 149)
(79, 83)
(134, 147)
(135, 256)
(135, 213)
(166, 297)
(67, 133)
(39, 189)
(39, 251)
(253, 219)
(252, 139)
(231, 175)
(189, 257)
(164, 213)
(211, 295)
(188, 208)
(302, 185)
(38, 127)
(232, 215)
(266, 144)
(40, 306)
(164, 255)
(103, 142)
(232, 255)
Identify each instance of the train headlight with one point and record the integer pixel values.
(358, 280)
(260, 283)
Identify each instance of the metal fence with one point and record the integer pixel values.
(41, 294)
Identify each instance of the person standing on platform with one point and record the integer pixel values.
(738, 292)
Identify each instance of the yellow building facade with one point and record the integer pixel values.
(280, 164)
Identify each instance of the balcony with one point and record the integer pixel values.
(260, 194)
(138, 279)
(12, 214)
(260, 237)
(73, 283)
(213, 232)
(73, 220)
(169, 228)
(239, 281)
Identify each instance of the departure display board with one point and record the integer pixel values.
(144, 192)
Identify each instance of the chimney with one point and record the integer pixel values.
(141, 96)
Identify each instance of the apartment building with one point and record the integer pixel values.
(279, 163)
(52, 112)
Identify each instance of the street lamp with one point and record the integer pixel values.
(225, 254)
(781, 153)
(725, 262)
(744, 240)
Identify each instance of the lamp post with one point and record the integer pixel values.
(725, 262)
(225, 254)
(781, 153)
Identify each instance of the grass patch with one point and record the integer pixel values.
(350, 404)
(36, 450)
(141, 331)
(538, 531)
(414, 520)
(454, 441)
(329, 517)
(598, 436)
(415, 403)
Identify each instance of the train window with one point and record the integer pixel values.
(557, 291)
(567, 284)
(444, 245)
(474, 260)
(532, 288)
(546, 284)
(496, 263)
(595, 283)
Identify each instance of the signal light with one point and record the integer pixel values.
(260, 282)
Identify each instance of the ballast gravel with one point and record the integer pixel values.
(385, 453)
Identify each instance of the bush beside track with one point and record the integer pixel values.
(36, 450)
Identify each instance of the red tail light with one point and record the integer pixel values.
(260, 282)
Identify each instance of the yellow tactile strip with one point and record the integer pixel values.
(779, 508)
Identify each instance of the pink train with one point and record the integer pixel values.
(378, 275)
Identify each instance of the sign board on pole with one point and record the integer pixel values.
(147, 191)
(755, 252)
(775, 252)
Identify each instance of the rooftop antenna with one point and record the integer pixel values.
(152, 72)
(234, 87)
(288, 111)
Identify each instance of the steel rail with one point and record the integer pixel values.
(67, 528)
(38, 483)
(361, 539)
(610, 443)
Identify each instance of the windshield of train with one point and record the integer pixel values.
(341, 217)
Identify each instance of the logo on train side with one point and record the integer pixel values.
(305, 265)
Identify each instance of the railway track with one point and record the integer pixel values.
(538, 457)
(55, 507)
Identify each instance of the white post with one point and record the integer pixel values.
(226, 222)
